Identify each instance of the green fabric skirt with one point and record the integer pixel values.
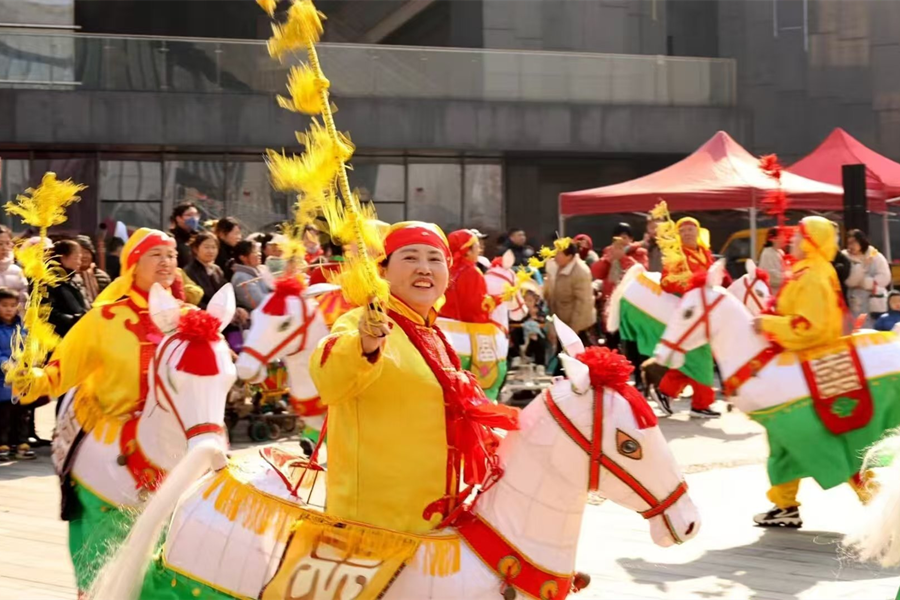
(637, 326)
(801, 446)
(492, 392)
(94, 534)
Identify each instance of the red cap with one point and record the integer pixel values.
(409, 233)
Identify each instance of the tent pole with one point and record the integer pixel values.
(886, 229)
(752, 215)
(562, 225)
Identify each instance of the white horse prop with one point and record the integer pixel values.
(115, 467)
(821, 407)
(287, 326)
(230, 537)
(484, 347)
(640, 309)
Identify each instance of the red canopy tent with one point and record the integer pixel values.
(720, 174)
(839, 149)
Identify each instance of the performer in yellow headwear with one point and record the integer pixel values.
(399, 385)
(106, 356)
(809, 312)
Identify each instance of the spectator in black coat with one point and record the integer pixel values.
(67, 303)
(228, 232)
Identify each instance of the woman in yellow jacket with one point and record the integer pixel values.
(809, 312)
(106, 356)
(406, 426)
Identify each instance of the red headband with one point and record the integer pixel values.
(409, 236)
(145, 245)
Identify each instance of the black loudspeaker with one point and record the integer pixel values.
(855, 215)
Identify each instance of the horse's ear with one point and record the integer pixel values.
(164, 309)
(570, 341)
(317, 289)
(577, 373)
(751, 268)
(223, 305)
(508, 260)
(716, 273)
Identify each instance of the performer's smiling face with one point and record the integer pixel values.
(418, 275)
(158, 265)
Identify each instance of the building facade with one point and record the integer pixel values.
(478, 112)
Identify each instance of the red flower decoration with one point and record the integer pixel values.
(771, 166)
(776, 203)
(198, 326)
(763, 276)
(609, 369)
(199, 329)
(285, 287)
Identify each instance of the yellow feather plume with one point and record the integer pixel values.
(46, 205)
(302, 29)
(669, 243)
(545, 253)
(305, 87)
(268, 5)
(42, 207)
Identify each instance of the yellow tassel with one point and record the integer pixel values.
(305, 87)
(268, 5)
(440, 557)
(256, 510)
(302, 29)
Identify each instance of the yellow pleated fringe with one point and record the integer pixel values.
(254, 509)
(105, 428)
(261, 513)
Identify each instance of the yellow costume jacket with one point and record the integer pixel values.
(808, 309)
(106, 354)
(387, 439)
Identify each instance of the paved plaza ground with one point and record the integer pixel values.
(729, 559)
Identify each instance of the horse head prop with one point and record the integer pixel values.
(499, 278)
(285, 324)
(752, 289)
(597, 433)
(191, 374)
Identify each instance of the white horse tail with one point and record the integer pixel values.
(877, 538)
(123, 575)
(615, 301)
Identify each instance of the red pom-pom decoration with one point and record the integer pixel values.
(199, 329)
(698, 280)
(763, 276)
(198, 326)
(610, 369)
(285, 287)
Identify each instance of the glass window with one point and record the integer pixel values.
(133, 214)
(14, 178)
(126, 181)
(434, 194)
(390, 213)
(199, 181)
(377, 181)
(483, 202)
(251, 198)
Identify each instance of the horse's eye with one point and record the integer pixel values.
(628, 446)
(284, 326)
(688, 313)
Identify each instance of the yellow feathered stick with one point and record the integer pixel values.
(43, 208)
(669, 243)
(325, 160)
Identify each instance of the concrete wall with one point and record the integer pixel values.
(37, 12)
(848, 76)
(252, 122)
(616, 26)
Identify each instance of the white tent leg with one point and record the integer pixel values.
(752, 215)
(886, 229)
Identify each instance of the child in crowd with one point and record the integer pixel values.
(13, 416)
(887, 321)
